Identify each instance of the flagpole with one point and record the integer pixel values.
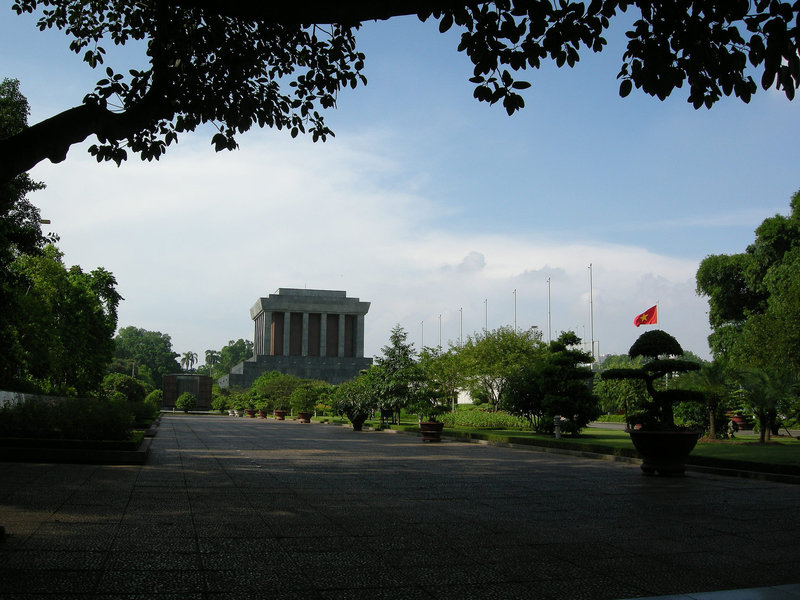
(548, 310)
(591, 309)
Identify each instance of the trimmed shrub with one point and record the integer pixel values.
(474, 417)
(133, 389)
(220, 403)
(186, 402)
(72, 418)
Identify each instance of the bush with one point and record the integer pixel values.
(186, 402)
(306, 397)
(131, 388)
(475, 417)
(72, 418)
(220, 403)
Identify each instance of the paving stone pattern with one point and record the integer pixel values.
(248, 508)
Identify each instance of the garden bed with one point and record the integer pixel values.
(97, 452)
(742, 457)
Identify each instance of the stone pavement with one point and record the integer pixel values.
(247, 508)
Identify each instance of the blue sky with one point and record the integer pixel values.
(427, 202)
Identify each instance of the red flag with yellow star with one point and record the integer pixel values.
(648, 317)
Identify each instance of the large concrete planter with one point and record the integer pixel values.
(431, 431)
(664, 452)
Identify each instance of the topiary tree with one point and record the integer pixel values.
(660, 352)
(186, 402)
(357, 398)
(555, 383)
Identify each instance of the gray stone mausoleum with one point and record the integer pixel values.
(313, 334)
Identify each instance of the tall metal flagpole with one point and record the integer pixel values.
(515, 310)
(421, 335)
(440, 331)
(486, 316)
(461, 331)
(591, 309)
(548, 311)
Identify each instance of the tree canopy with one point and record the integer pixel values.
(63, 338)
(148, 351)
(754, 297)
(239, 63)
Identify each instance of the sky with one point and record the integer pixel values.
(444, 213)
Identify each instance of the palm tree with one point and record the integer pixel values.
(714, 380)
(188, 360)
(212, 358)
(767, 393)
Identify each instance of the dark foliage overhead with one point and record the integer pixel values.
(243, 62)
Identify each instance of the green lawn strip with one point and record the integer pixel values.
(743, 453)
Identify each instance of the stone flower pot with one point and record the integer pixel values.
(664, 452)
(431, 431)
(280, 415)
(304, 417)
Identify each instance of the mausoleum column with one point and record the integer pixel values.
(359, 334)
(341, 335)
(267, 332)
(323, 334)
(287, 328)
(304, 351)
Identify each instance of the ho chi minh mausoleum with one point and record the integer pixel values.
(312, 334)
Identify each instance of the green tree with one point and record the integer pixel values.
(68, 326)
(715, 382)
(186, 402)
(306, 396)
(188, 360)
(661, 353)
(126, 385)
(442, 377)
(358, 398)
(20, 234)
(151, 350)
(619, 395)
(767, 394)
(212, 358)
(396, 372)
(555, 383)
(490, 358)
(238, 64)
(275, 388)
(753, 295)
(231, 355)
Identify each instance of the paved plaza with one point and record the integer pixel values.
(248, 508)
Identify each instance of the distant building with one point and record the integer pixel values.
(312, 334)
(178, 383)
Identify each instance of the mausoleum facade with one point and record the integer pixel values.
(313, 334)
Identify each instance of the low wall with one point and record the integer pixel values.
(14, 398)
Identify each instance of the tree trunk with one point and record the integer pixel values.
(712, 426)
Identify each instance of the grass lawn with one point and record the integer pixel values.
(782, 454)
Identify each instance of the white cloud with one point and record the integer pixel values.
(196, 239)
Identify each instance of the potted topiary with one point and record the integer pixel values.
(303, 400)
(356, 399)
(262, 406)
(429, 404)
(663, 445)
(250, 400)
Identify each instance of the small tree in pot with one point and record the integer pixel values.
(304, 399)
(356, 399)
(663, 445)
